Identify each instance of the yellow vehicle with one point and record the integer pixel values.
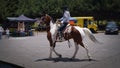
(87, 22)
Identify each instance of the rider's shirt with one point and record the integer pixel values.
(66, 17)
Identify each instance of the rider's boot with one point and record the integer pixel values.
(60, 35)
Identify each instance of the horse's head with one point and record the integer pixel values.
(45, 19)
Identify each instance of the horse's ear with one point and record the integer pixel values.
(46, 14)
(48, 17)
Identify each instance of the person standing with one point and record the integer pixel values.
(1, 31)
(7, 33)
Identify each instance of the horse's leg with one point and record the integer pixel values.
(51, 48)
(76, 50)
(55, 51)
(88, 54)
(50, 56)
(69, 44)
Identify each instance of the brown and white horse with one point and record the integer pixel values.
(72, 32)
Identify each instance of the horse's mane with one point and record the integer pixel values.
(49, 18)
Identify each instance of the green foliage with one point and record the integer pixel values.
(7, 8)
(34, 8)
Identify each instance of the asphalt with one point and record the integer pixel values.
(8, 65)
(33, 52)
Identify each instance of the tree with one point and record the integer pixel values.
(7, 8)
(34, 8)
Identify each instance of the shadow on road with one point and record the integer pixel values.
(8, 65)
(64, 60)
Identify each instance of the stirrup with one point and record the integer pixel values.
(60, 36)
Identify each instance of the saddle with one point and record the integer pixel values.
(61, 35)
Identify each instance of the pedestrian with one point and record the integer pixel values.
(7, 33)
(1, 31)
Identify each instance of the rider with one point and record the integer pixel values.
(64, 20)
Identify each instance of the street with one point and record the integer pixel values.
(33, 52)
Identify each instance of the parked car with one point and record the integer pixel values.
(111, 28)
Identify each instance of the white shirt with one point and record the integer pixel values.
(1, 29)
(7, 31)
(66, 16)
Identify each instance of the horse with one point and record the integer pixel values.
(71, 32)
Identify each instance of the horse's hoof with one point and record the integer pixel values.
(90, 59)
(60, 56)
(49, 57)
(71, 59)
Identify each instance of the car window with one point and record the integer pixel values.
(111, 24)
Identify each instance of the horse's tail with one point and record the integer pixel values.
(90, 35)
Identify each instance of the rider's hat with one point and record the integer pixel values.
(65, 8)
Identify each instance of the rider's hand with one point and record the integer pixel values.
(59, 20)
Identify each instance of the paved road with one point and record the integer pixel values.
(33, 52)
